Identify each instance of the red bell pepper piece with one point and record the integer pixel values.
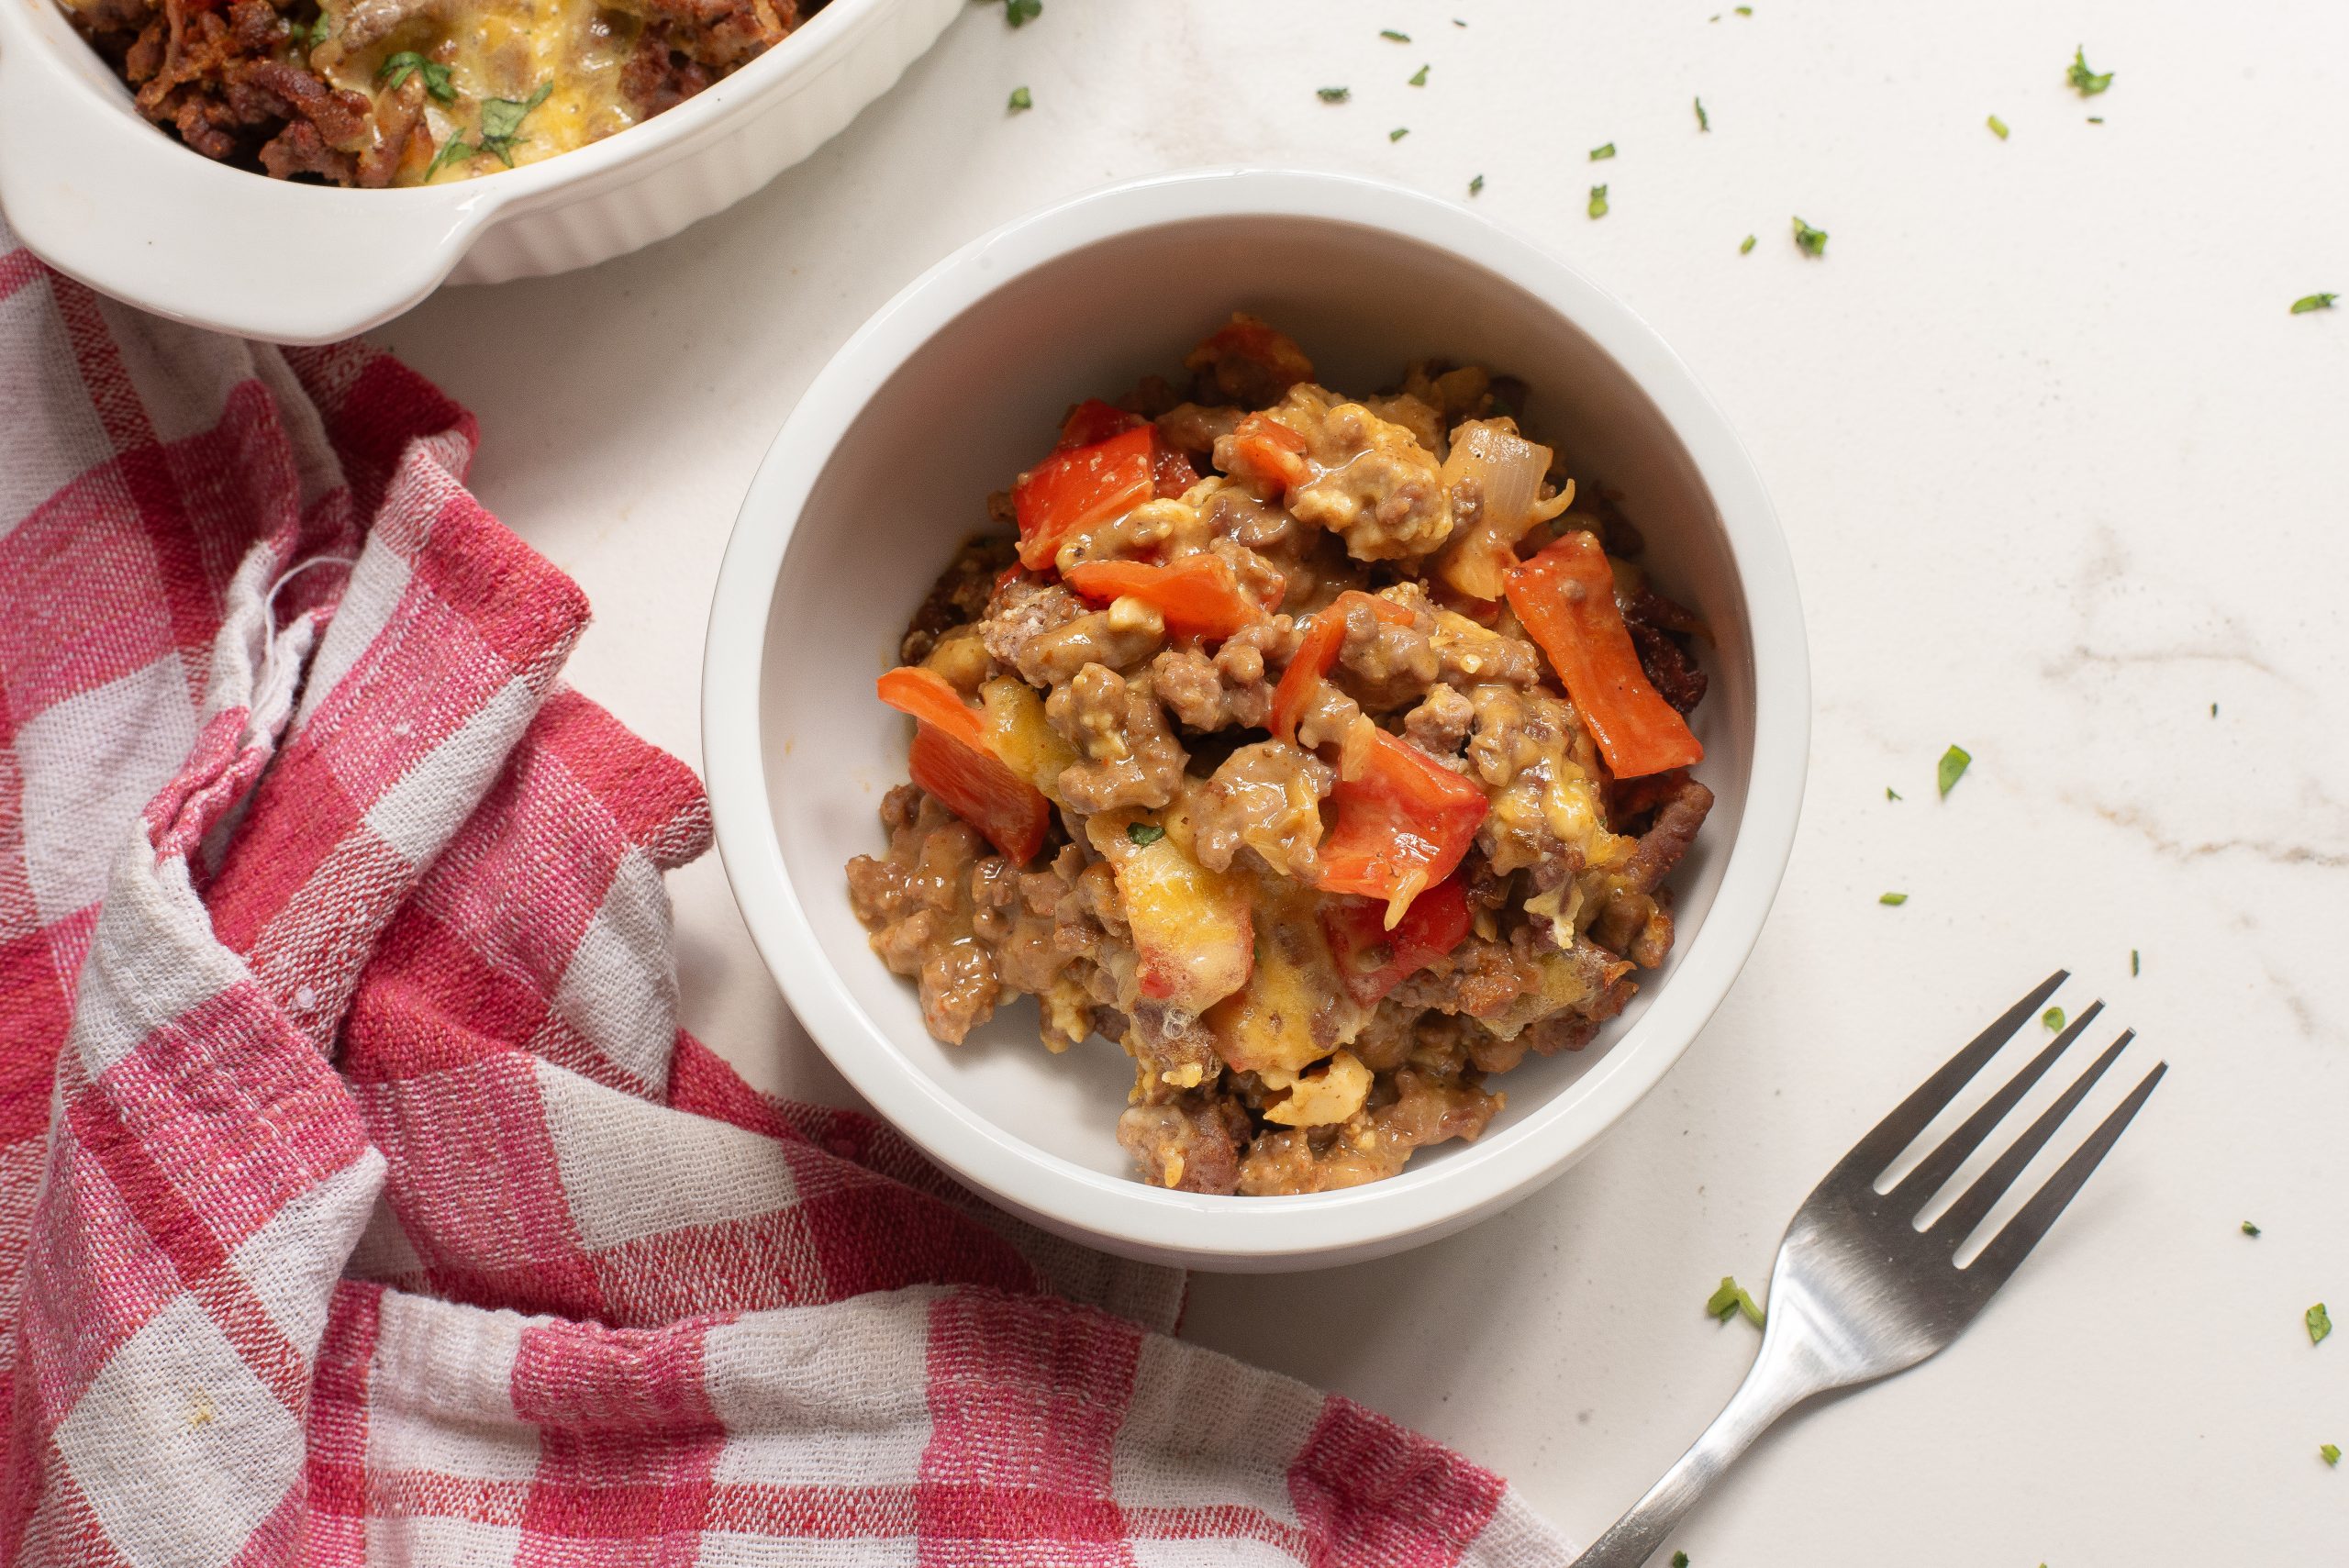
(1268, 450)
(951, 759)
(1198, 595)
(1072, 490)
(1401, 825)
(1373, 960)
(1093, 421)
(1565, 598)
(1317, 655)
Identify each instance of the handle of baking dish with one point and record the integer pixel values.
(108, 199)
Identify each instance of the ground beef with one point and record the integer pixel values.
(1131, 758)
(1440, 725)
(1660, 631)
(1265, 797)
(1248, 363)
(1677, 818)
(960, 596)
(1190, 1143)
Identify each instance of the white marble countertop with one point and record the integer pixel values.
(2060, 472)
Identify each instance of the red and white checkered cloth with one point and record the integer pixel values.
(360, 1197)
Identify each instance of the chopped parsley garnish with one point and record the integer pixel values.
(1145, 832)
(1333, 95)
(1391, 33)
(318, 34)
(2329, 1453)
(1745, 10)
(2320, 1323)
(2053, 1017)
(1680, 1560)
(403, 65)
(1599, 201)
(1598, 153)
(1730, 1300)
(456, 147)
(1704, 120)
(2096, 119)
(2132, 964)
(2088, 82)
(2309, 302)
(1019, 12)
(1398, 133)
(1954, 761)
(1745, 245)
(501, 118)
(1997, 128)
(1808, 241)
(1892, 898)
(2249, 1228)
(1420, 77)
(1892, 794)
(1476, 184)
(1020, 99)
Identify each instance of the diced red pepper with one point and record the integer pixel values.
(1072, 490)
(1093, 421)
(1373, 960)
(1266, 449)
(1565, 598)
(950, 759)
(1198, 595)
(1317, 655)
(1401, 825)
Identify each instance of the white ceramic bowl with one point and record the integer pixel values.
(132, 213)
(883, 468)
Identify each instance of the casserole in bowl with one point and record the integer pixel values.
(135, 214)
(870, 484)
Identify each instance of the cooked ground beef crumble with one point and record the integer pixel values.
(1319, 751)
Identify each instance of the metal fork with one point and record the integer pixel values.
(1858, 1291)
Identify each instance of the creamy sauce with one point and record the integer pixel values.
(500, 48)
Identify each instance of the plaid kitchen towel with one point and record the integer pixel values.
(360, 1197)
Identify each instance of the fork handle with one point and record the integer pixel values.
(1773, 1386)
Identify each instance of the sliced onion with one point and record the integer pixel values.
(1507, 469)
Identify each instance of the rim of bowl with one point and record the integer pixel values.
(1117, 1210)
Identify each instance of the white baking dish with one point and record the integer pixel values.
(107, 198)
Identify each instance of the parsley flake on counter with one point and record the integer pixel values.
(1333, 95)
(2329, 1453)
(403, 65)
(1954, 761)
(1145, 832)
(2249, 1228)
(2214, 710)
(1418, 77)
(1398, 133)
(1704, 120)
(1730, 1300)
(1598, 153)
(1391, 33)
(2309, 302)
(1599, 201)
(2053, 1017)
(1745, 10)
(501, 118)
(1020, 99)
(1458, 23)
(1476, 186)
(1019, 12)
(1808, 241)
(1892, 794)
(1997, 128)
(1892, 898)
(2096, 119)
(1745, 245)
(2132, 964)
(2320, 1323)
(2089, 82)
(1680, 1560)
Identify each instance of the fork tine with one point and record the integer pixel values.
(1941, 1164)
(1980, 1199)
(1874, 1151)
(2020, 1234)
